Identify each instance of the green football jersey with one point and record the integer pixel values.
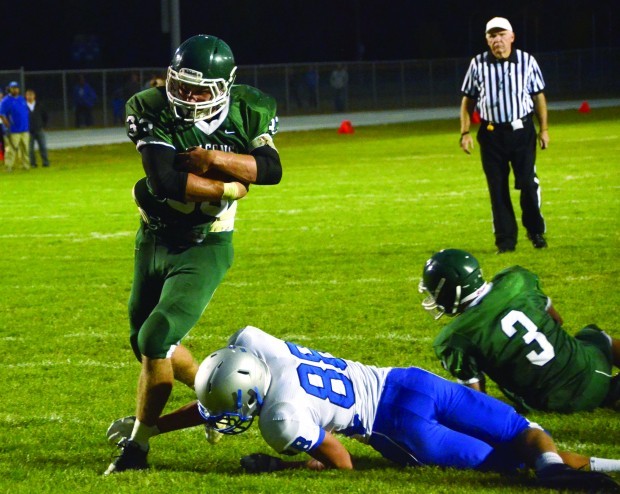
(251, 114)
(510, 337)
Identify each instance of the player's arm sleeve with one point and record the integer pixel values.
(153, 144)
(458, 363)
(262, 125)
(165, 180)
(268, 165)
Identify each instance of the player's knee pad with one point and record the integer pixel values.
(156, 336)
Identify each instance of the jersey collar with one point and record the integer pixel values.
(208, 127)
(512, 58)
(480, 294)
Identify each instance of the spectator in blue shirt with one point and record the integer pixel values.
(15, 117)
(84, 98)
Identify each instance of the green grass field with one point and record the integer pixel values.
(330, 258)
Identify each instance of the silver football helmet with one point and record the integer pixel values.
(231, 385)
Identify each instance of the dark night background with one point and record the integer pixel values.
(39, 35)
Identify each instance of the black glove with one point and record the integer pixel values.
(261, 463)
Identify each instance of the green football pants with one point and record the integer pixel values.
(171, 288)
(598, 363)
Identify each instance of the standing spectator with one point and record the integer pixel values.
(84, 99)
(311, 80)
(202, 141)
(14, 115)
(507, 85)
(38, 122)
(339, 79)
(118, 106)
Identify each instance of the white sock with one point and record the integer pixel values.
(142, 433)
(604, 465)
(547, 459)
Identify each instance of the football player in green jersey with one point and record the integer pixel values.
(508, 330)
(202, 141)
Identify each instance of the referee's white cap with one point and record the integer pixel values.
(498, 23)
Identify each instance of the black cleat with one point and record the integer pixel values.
(503, 250)
(562, 477)
(538, 240)
(132, 457)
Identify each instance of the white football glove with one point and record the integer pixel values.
(120, 429)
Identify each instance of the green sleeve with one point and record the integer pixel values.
(259, 110)
(456, 359)
(146, 117)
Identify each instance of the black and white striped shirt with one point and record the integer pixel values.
(503, 88)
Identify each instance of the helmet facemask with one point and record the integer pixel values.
(430, 301)
(233, 422)
(188, 80)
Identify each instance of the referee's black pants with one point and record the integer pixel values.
(500, 148)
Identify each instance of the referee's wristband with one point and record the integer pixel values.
(464, 133)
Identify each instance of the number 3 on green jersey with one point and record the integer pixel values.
(509, 326)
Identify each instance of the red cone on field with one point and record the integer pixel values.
(346, 127)
(475, 117)
(584, 108)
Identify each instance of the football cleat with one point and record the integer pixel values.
(562, 477)
(120, 429)
(538, 240)
(132, 457)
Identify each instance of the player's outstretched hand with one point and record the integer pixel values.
(120, 429)
(261, 463)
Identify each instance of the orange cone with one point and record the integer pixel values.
(346, 127)
(584, 108)
(475, 117)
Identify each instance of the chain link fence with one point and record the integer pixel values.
(303, 89)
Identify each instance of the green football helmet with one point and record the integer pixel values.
(451, 279)
(203, 65)
(231, 385)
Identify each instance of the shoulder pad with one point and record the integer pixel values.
(253, 98)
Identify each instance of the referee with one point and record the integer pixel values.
(507, 87)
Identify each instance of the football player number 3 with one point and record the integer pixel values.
(514, 317)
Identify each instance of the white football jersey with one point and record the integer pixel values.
(311, 392)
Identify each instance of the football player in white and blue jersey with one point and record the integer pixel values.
(303, 397)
